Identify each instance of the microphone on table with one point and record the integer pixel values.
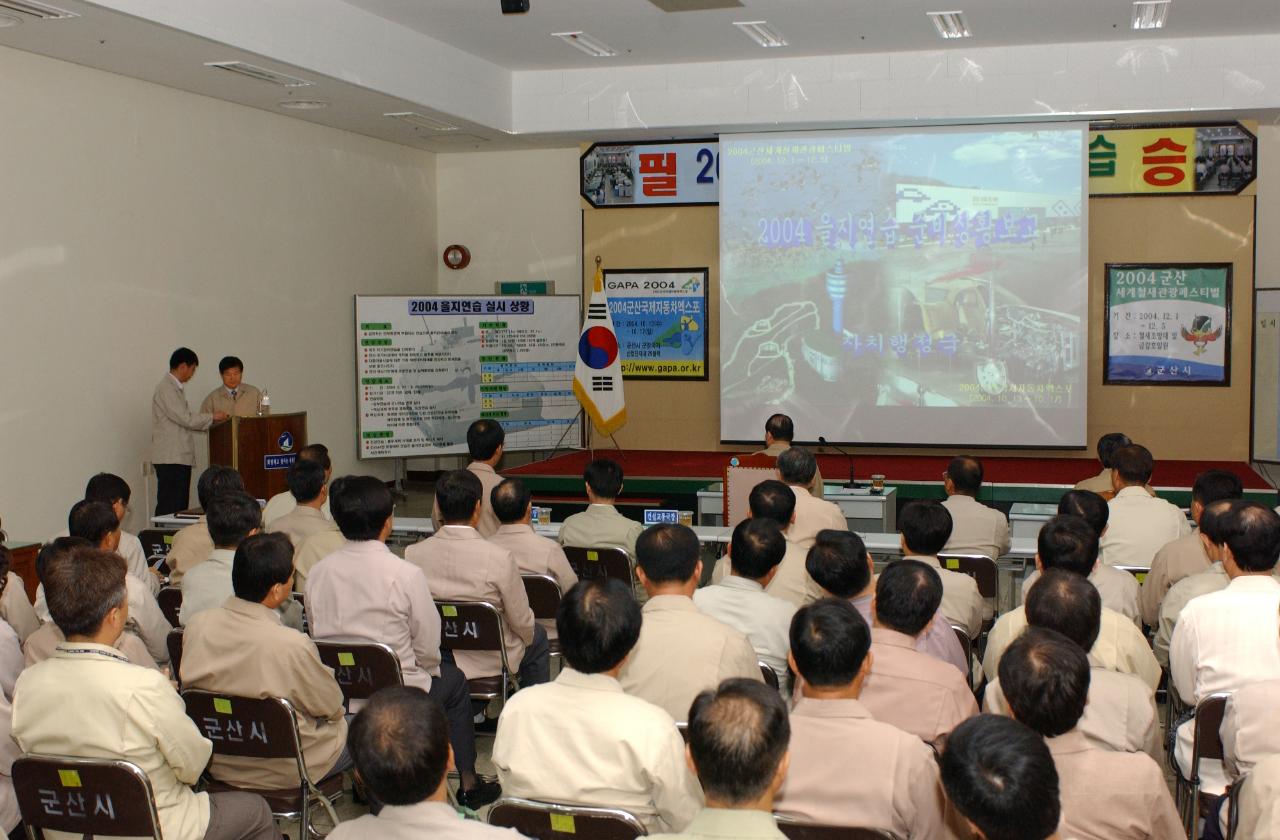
(825, 442)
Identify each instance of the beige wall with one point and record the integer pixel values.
(135, 218)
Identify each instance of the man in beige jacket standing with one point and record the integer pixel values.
(173, 446)
(235, 397)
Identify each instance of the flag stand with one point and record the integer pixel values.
(567, 429)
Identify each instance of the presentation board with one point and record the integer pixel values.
(426, 367)
(1265, 428)
(909, 286)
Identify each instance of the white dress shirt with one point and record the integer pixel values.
(1213, 579)
(765, 620)
(1138, 526)
(207, 585)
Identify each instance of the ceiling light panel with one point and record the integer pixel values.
(950, 25)
(586, 43)
(421, 121)
(762, 32)
(253, 71)
(1150, 14)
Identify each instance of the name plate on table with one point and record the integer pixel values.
(278, 462)
(654, 516)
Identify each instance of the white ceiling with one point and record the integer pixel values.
(644, 34)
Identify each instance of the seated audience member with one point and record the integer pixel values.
(485, 444)
(600, 525)
(779, 431)
(742, 600)
(738, 736)
(1107, 445)
(1249, 738)
(975, 528)
(1140, 523)
(114, 491)
(10, 818)
(107, 708)
(461, 565)
(1186, 556)
(231, 518)
(1225, 640)
(1068, 543)
(775, 501)
(797, 467)
(192, 544)
(581, 739)
(907, 688)
(841, 567)
(15, 609)
(1259, 806)
(1000, 777)
(534, 554)
(1121, 712)
(235, 397)
(281, 504)
(681, 651)
(1105, 795)
(242, 649)
(400, 743)
(925, 527)
(41, 644)
(312, 550)
(363, 591)
(1118, 588)
(307, 483)
(1212, 579)
(895, 787)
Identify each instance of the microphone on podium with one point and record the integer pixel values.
(826, 442)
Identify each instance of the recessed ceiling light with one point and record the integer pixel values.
(304, 104)
(262, 74)
(417, 120)
(762, 32)
(950, 24)
(1150, 14)
(588, 44)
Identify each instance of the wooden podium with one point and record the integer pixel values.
(260, 448)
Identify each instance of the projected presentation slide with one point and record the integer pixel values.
(906, 286)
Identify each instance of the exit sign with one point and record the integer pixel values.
(527, 287)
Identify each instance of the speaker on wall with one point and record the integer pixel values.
(515, 7)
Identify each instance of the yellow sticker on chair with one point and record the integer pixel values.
(593, 556)
(449, 612)
(563, 824)
(347, 659)
(69, 778)
(168, 539)
(222, 705)
(954, 565)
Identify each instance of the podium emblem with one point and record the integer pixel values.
(285, 441)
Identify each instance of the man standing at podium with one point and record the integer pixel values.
(236, 397)
(173, 446)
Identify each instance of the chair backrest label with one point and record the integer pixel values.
(345, 658)
(222, 705)
(449, 611)
(69, 778)
(563, 824)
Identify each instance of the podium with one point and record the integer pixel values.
(261, 449)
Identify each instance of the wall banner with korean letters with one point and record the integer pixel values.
(660, 318)
(1178, 159)
(642, 174)
(1168, 324)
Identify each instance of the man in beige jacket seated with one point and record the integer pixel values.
(600, 525)
(797, 468)
(1107, 445)
(925, 527)
(192, 544)
(975, 527)
(534, 554)
(309, 488)
(779, 431)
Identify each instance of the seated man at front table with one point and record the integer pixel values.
(462, 566)
(738, 737)
(485, 444)
(925, 527)
(534, 554)
(400, 743)
(907, 688)
(779, 431)
(895, 787)
(580, 739)
(681, 651)
(283, 503)
(797, 468)
(1107, 445)
(88, 701)
(242, 649)
(363, 591)
(776, 502)
(600, 525)
(975, 528)
(235, 398)
(1140, 523)
(192, 544)
(308, 485)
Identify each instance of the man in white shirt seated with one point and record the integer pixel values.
(797, 467)
(308, 484)
(231, 517)
(1140, 523)
(925, 527)
(975, 528)
(600, 525)
(580, 739)
(776, 502)
(742, 600)
(1212, 579)
(281, 504)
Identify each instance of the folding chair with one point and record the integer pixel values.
(603, 562)
(966, 644)
(796, 830)
(263, 728)
(361, 667)
(156, 543)
(84, 797)
(544, 599)
(1206, 742)
(170, 600)
(478, 626)
(174, 643)
(551, 821)
(1139, 572)
(770, 676)
(985, 573)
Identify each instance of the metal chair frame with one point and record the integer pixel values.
(1206, 723)
(538, 588)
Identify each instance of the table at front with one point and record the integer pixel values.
(863, 510)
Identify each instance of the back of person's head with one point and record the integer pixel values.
(305, 479)
(757, 547)
(604, 477)
(60, 547)
(780, 427)
(1000, 776)
(1068, 542)
(598, 623)
(1213, 485)
(457, 493)
(317, 452)
(829, 642)
(1133, 463)
(1087, 505)
(965, 473)
(93, 521)
(738, 735)
(1045, 678)
(1252, 531)
(109, 488)
(215, 481)
(908, 594)
(81, 586)
(361, 505)
(1067, 603)
(510, 500)
(668, 553)
(774, 500)
(837, 562)
(399, 742)
(227, 363)
(1108, 444)
(926, 526)
(231, 517)
(262, 561)
(183, 356)
(1212, 518)
(483, 439)
(797, 466)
